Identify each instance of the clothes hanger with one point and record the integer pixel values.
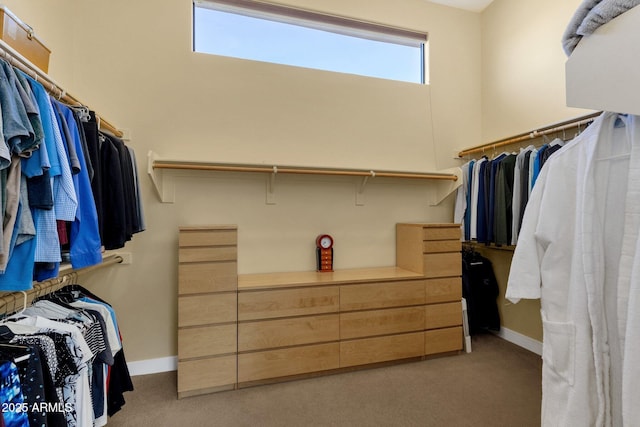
(24, 303)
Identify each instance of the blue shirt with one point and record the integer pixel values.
(84, 239)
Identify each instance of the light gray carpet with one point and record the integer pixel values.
(498, 384)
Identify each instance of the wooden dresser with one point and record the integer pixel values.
(207, 314)
(296, 324)
(434, 251)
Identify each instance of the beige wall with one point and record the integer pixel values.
(492, 75)
(523, 79)
(523, 87)
(131, 61)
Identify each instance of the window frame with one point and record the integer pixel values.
(325, 22)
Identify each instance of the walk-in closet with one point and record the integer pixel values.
(327, 213)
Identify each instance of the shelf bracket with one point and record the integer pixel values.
(164, 185)
(271, 187)
(360, 188)
(444, 188)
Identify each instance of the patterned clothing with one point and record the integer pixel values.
(11, 396)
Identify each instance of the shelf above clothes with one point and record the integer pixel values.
(447, 181)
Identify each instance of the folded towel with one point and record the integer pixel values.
(589, 16)
(570, 38)
(604, 12)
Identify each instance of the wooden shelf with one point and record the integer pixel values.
(447, 181)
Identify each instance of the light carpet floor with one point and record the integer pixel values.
(497, 384)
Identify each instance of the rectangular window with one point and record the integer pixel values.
(273, 33)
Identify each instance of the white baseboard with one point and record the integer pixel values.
(153, 366)
(521, 340)
(166, 364)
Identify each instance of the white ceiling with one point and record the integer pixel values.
(473, 5)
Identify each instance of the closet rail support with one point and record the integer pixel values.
(360, 188)
(165, 189)
(442, 189)
(271, 187)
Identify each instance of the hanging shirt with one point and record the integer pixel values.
(138, 195)
(461, 200)
(491, 206)
(475, 193)
(85, 237)
(579, 252)
(537, 164)
(467, 215)
(18, 275)
(516, 203)
(503, 217)
(16, 127)
(65, 200)
(532, 162)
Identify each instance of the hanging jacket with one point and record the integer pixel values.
(480, 289)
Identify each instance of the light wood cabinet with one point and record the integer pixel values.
(430, 249)
(207, 309)
(255, 328)
(434, 250)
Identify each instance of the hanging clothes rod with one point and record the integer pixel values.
(547, 130)
(15, 301)
(18, 61)
(164, 164)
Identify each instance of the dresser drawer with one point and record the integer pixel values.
(381, 295)
(266, 334)
(207, 277)
(443, 290)
(205, 374)
(206, 341)
(208, 254)
(288, 302)
(437, 246)
(199, 310)
(443, 315)
(441, 233)
(381, 322)
(289, 361)
(442, 265)
(207, 237)
(381, 349)
(443, 340)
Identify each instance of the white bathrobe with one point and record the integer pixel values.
(578, 251)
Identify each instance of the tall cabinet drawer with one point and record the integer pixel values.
(207, 313)
(434, 250)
